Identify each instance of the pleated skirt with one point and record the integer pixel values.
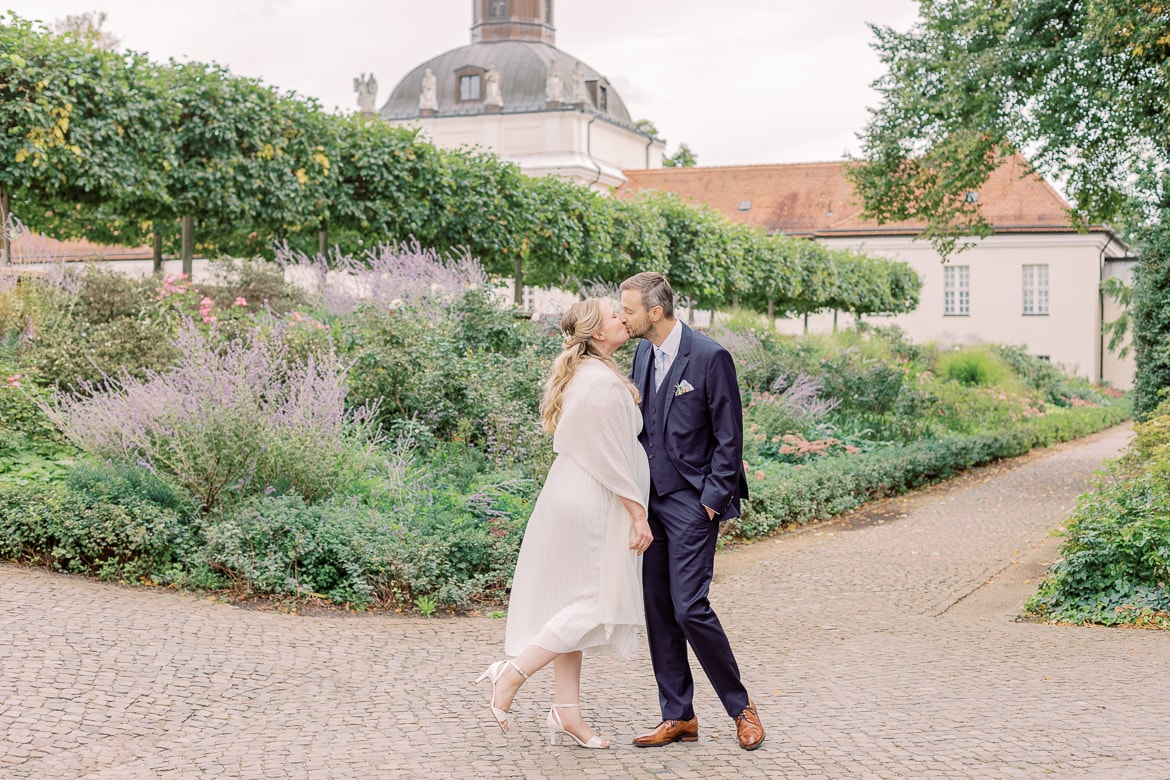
(577, 585)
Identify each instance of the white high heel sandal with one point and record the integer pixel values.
(555, 726)
(494, 673)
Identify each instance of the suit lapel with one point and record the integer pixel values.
(643, 367)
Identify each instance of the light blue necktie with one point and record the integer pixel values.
(659, 367)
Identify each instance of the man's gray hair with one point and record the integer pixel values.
(655, 291)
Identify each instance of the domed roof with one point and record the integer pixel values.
(523, 67)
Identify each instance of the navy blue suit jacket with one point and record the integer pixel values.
(703, 427)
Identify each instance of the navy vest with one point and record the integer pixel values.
(664, 477)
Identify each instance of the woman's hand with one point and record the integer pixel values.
(642, 535)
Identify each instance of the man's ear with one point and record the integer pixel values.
(655, 313)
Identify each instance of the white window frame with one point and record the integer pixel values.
(1035, 290)
(956, 291)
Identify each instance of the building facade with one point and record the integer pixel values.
(1034, 282)
(512, 92)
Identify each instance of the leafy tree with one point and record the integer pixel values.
(647, 127)
(1082, 87)
(1151, 318)
(87, 28)
(773, 277)
(246, 164)
(817, 281)
(638, 237)
(75, 131)
(482, 204)
(683, 158)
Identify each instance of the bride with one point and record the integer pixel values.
(578, 581)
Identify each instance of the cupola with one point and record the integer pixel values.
(513, 20)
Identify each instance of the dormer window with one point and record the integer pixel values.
(469, 88)
(497, 9)
(599, 93)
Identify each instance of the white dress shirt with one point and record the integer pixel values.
(668, 351)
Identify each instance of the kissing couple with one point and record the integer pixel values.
(623, 533)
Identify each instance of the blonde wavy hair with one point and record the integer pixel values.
(581, 321)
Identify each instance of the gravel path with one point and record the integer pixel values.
(883, 644)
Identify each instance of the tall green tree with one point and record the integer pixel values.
(88, 27)
(1081, 86)
(242, 166)
(682, 158)
(74, 130)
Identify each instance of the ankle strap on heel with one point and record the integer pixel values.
(519, 671)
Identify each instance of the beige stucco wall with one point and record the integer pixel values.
(1116, 370)
(1070, 334)
(572, 144)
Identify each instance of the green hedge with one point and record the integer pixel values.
(1115, 561)
(794, 496)
(457, 546)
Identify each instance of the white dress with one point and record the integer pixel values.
(578, 585)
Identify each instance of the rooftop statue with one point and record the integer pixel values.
(428, 99)
(367, 92)
(493, 96)
(554, 86)
(579, 90)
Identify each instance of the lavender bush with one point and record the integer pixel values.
(232, 417)
(388, 277)
(793, 405)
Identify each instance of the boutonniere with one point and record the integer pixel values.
(683, 387)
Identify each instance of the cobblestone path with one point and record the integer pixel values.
(881, 645)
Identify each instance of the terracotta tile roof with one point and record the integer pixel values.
(815, 199)
(36, 248)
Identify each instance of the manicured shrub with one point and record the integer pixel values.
(1043, 376)
(783, 495)
(1115, 562)
(70, 358)
(85, 527)
(456, 549)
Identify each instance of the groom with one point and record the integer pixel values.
(693, 435)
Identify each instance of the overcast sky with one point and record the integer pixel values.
(739, 81)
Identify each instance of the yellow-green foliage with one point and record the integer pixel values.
(975, 366)
(29, 305)
(1150, 450)
(1115, 564)
(741, 320)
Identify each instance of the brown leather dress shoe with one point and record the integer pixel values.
(669, 731)
(748, 728)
